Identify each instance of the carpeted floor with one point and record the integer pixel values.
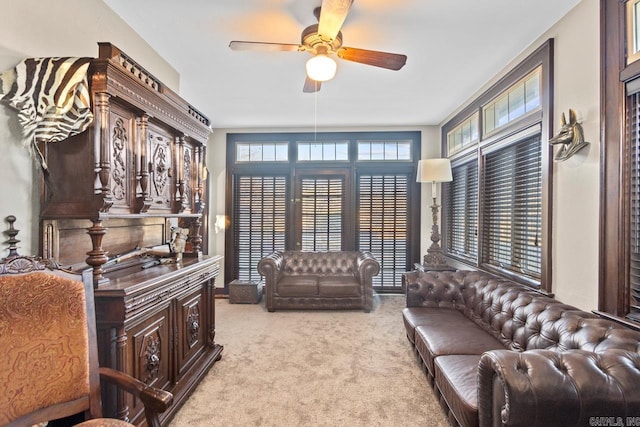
(312, 368)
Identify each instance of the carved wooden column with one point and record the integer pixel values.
(102, 162)
(196, 236)
(120, 340)
(12, 233)
(180, 175)
(209, 294)
(97, 256)
(199, 203)
(143, 199)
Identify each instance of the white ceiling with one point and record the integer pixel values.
(453, 48)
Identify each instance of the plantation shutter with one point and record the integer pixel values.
(462, 211)
(383, 225)
(321, 214)
(512, 208)
(633, 121)
(259, 221)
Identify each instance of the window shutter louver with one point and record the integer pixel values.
(462, 208)
(322, 200)
(512, 208)
(383, 225)
(633, 123)
(259, 221)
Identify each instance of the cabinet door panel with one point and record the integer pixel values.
(191, 313)
(161, 170)
(122, 173)
(150, 353)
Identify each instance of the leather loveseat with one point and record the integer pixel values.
(318, 280)
(499, 353)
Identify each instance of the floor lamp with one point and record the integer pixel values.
(434, 171)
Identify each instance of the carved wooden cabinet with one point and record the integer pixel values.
(158, 324)
(135, 173)
(143, 156)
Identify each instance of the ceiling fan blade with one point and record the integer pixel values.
(264, 46)
(391, 61)
(332, 16)
(311, 86)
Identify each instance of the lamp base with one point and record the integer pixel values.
(435, 260)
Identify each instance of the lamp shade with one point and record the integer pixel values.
(321, 68)
(434, 170)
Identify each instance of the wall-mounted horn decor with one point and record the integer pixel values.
(570, 137)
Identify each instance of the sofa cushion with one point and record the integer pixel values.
(418, 316)
(455, 377)
(452, 334)
(339, 286)
(297, 286)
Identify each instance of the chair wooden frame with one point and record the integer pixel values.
(155, 401)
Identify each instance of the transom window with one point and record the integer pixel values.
(323, 151)
(521, 98)
(463, 135)
(384, 150)
(262, 152)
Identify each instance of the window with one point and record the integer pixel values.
(323, 151)
(520, 99)
(512, 208)
(262, 152)
(462, 211)
(321, 206)
(463, 135)
(496, 209)
(633, 31)
(330, 191)
(619, 199)
(384, 150)
(260, 221)
(384, 224)
(633, 129)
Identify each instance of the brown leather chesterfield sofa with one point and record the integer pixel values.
(318, 280)
(500, 354)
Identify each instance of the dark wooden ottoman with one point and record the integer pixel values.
(245, 292)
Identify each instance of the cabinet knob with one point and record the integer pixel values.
(194, 326)
(152, 363)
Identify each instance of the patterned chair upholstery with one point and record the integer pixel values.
(49, 362)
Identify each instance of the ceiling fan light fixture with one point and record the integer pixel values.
(321, 68)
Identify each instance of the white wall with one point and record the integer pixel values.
(31, 28)
(576, 181)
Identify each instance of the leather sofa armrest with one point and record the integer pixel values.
(367, 267)
(548, 387)
(270, 267)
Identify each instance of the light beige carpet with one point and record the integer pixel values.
(312, 368)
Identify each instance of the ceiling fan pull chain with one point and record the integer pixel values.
(315, 113)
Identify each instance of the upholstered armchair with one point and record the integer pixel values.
(49, 358)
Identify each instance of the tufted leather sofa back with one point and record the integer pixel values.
(520, 317)
(339, 263)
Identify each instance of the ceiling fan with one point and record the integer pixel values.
(324, 39)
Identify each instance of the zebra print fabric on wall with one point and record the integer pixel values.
(52, 99)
